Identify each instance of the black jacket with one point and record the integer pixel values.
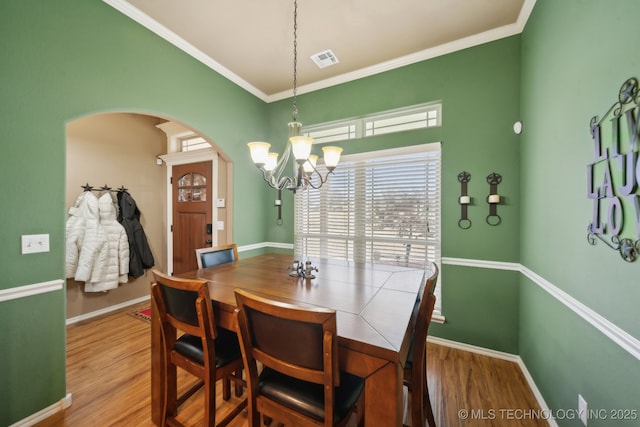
(140, 256)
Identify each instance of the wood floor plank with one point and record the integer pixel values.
(108, 374)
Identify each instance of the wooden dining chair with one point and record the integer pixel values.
(203, 350)
(415, 369)
(209, 257)
(216, 255)
(300, 383)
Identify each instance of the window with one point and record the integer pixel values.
(401, 121)
(329, 132)
(382, 207)
(192, 187)
(194, 143)
(410, 118)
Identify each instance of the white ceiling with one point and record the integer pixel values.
(251, 41)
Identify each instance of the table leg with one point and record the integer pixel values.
(383, 397)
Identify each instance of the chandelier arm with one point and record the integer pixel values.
(323, 180)
(285, 183)
(267, 176)
(278, 183)
(278, 171)
(316, 171)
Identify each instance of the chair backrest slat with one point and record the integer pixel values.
(180, 304)
(291, 341)
(209, 257)
(289, 338)
(425, 312)
(424, 316)
(181, 300)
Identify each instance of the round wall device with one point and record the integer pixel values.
(517, 127)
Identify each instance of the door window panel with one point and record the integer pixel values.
(192, 187)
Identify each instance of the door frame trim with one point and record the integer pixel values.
(181, 158)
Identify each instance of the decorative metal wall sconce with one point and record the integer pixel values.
(464, 177)
(493, 199)
(298, 269)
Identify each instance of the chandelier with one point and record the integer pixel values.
(273, 166)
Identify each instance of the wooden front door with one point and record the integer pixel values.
(192, 201)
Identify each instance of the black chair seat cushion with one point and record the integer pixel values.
(308, 398)
(226, 343)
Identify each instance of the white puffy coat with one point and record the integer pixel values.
(83, 240)
(75, 233)
(111, 264)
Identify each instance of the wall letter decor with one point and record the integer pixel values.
(612, 178)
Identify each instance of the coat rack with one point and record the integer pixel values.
(105, 187)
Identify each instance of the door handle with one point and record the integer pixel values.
(208, 241)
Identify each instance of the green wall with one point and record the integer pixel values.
(72, 58)
(480, 93)
(60, 61)
(63, 60)
(575, 57)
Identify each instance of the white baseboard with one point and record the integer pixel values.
(61, 405)
(504, 356)
(474, 349)
(106, 310)
(245, 248)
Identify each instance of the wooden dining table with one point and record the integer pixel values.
(375, 305)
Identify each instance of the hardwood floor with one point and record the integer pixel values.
(108, 374)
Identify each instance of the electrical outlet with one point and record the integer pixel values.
(583, 409)
(33, 243)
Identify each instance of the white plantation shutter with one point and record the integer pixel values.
(381, 207)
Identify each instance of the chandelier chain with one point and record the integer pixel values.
(295, 60)
(304, 164)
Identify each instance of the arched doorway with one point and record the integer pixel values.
(124, 149)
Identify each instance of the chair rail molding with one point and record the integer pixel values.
(30, 290)
(618, 335)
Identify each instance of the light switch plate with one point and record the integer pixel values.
(220, 203)
(34, 243)
(220, 225)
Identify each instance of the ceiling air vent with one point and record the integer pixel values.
(325, 59)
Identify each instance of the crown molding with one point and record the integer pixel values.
(467, 42)
(162, 31)
(444, 49)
